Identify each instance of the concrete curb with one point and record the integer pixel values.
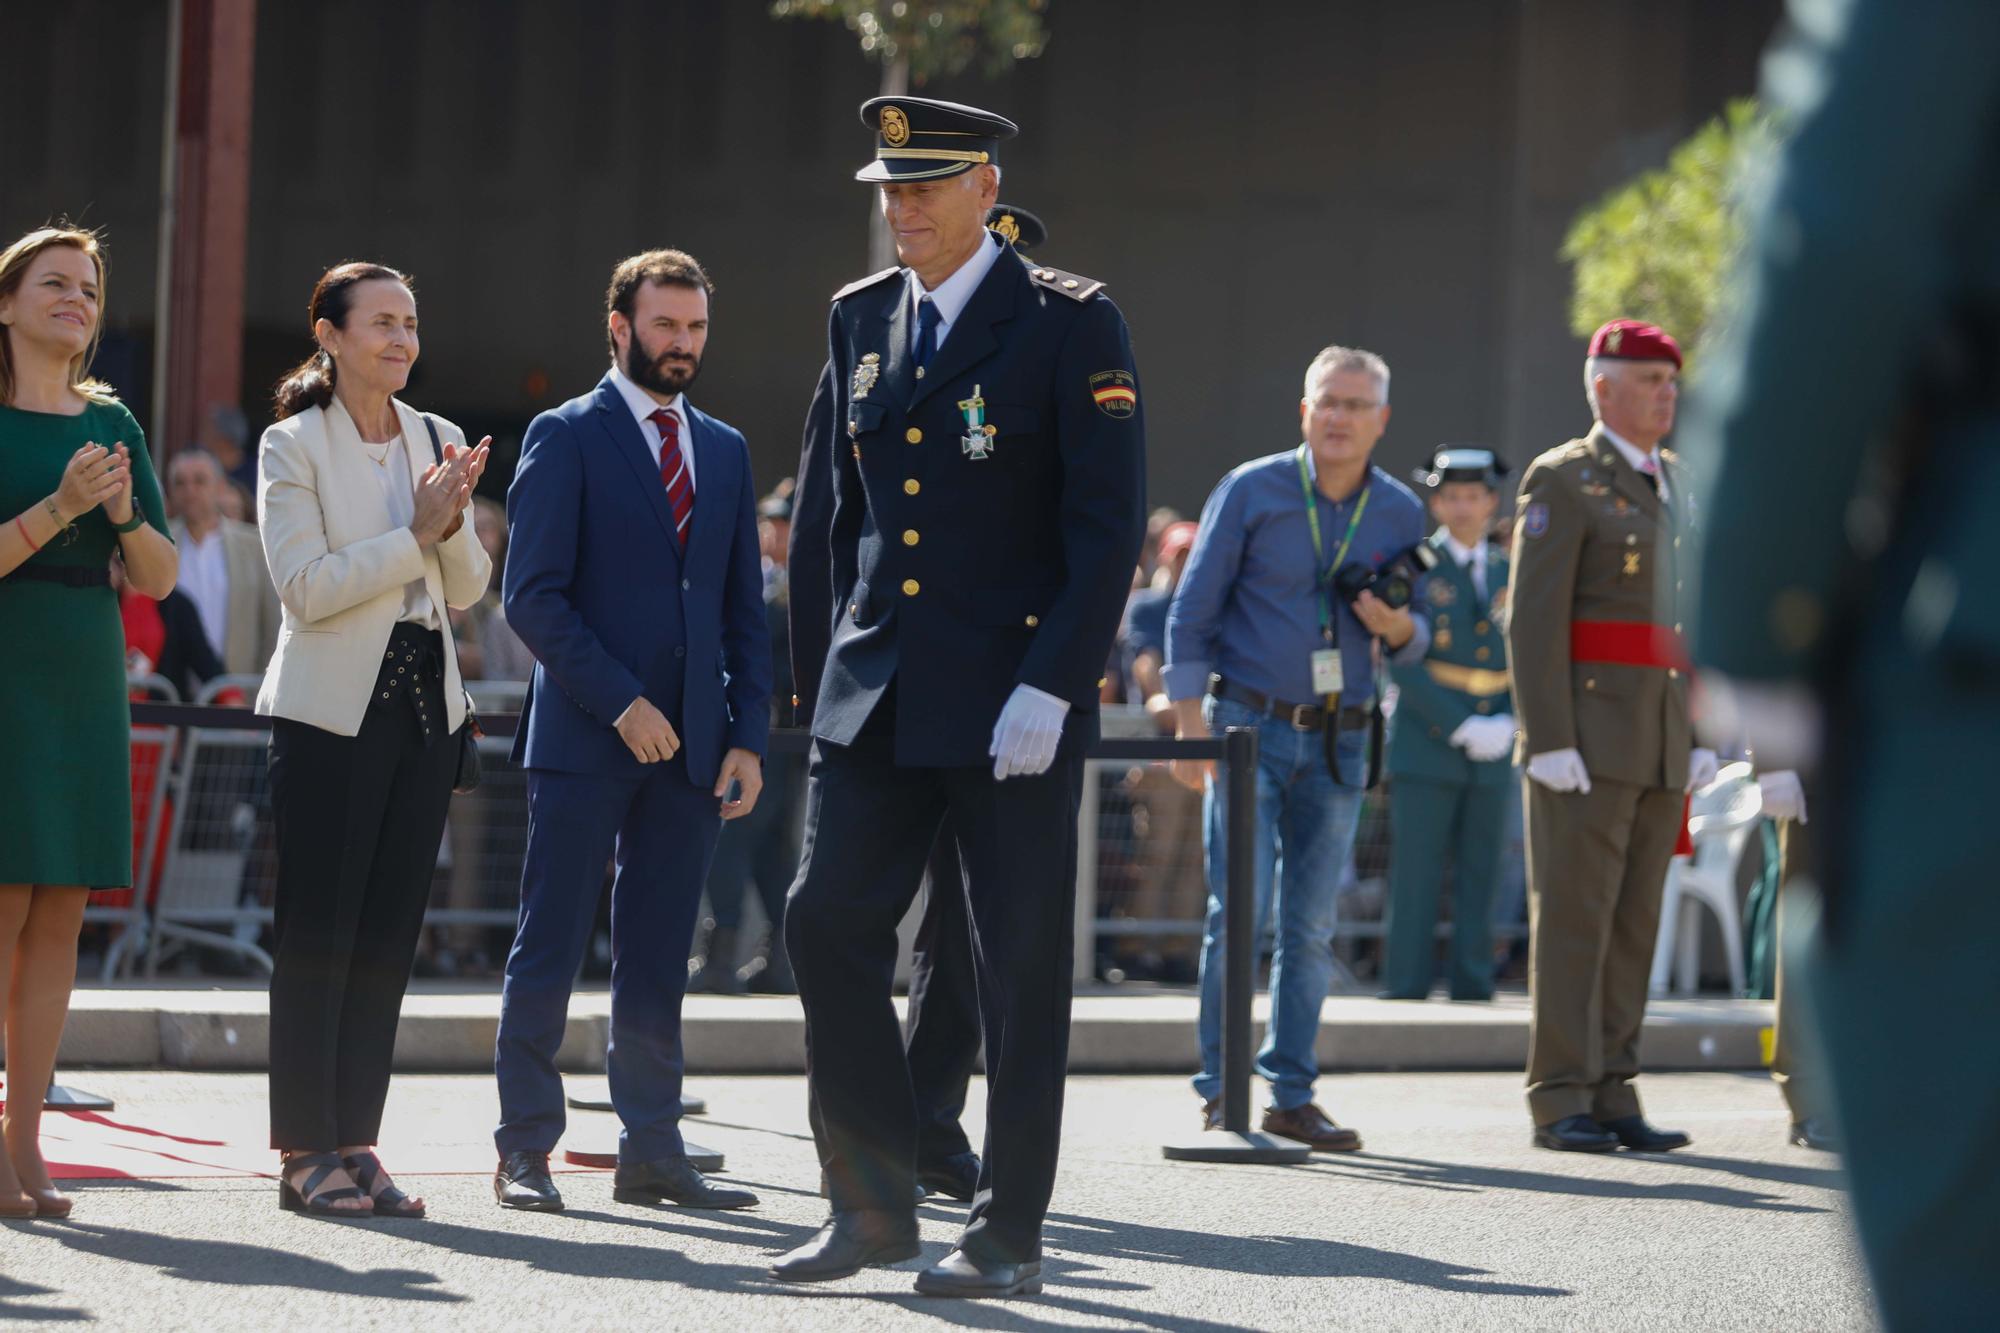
(1122, 1034)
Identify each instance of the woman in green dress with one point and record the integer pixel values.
(76, 485)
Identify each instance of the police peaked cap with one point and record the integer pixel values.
(1016, 226)
(921, 138)
(1462, 462)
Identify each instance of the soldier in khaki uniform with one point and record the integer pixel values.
(1601, 693)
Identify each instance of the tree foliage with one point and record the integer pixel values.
(1660, 247)
(936, 39)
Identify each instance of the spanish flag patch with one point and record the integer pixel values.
(1114, 392)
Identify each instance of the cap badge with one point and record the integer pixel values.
(1611, 339)
(1010, 230)
(895, 126)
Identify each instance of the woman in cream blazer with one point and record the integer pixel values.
(369, 541)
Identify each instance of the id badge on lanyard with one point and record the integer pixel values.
(1326, 675)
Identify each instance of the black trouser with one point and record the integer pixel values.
(942, 1034)
(359, 819)
(870, 827)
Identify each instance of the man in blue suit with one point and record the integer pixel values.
(633, 576)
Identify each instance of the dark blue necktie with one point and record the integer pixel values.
(927, 322)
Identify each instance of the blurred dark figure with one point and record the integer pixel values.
(1851, 441)
(761, 850)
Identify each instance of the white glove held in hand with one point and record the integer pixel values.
(1702, 765)
(1485, 738)
(1025, 737)
(1560, 770)
(1784, 798)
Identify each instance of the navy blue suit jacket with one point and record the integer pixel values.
(601, 593)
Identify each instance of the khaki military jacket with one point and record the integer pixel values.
(1593, 542)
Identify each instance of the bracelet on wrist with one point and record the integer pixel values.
(137, 521)
(49, 503)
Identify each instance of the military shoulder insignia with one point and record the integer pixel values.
(1535, 520)
(866, 282)
(1115, 392)
(1069, 284)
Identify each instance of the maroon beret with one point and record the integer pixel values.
(1635, 340)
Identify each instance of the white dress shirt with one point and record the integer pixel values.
(643, 406)
(204, 577)
(1642, 462)
(1469, 557)
(955, 291)
(392, 470)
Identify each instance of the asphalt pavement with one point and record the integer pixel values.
(1448, 1219)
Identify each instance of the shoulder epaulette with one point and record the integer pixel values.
(868, 281)
(1073, 285)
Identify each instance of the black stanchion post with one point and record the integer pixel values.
(1235, 1141)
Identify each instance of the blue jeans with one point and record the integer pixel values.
(1306, 823)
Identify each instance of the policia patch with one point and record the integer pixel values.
(1114, 392)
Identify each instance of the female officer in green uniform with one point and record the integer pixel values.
(1454, 733)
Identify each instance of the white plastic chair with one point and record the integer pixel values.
(1721, 820)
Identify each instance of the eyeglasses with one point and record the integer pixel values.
(1354, 407)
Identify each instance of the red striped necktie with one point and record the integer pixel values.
(674, 473)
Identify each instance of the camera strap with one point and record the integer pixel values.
(1322, 571)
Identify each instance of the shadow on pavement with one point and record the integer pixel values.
(231, 1263)
(1461, 1178)
(12, 1292)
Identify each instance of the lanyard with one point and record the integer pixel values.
(1319, 551)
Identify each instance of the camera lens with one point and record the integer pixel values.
(1394, 590)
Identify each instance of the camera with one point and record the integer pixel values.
(1394, 583)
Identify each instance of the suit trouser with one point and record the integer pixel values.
(942, 1032)
(870, 827)
(663, 829)
(1430, 819)
(1597, 866)
(358, 822)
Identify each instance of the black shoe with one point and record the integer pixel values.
(1576, 1133)
(1813, 1132)
(675, 1180)
(959, 1274)
(848, 1243)
(956, 1175)
(523, 1182)
(1636, 1134)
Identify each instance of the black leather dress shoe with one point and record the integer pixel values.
(1636, 1134)
(848, 1243)
(1576, 1133)
(959, 1274)
(523, 1182)
(1813, 1132)
(956, 1175)
(675, 1180)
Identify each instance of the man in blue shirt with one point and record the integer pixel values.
(1260, 636)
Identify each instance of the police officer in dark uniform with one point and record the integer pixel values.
(941, 1034)
(978, 433)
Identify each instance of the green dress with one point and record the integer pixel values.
(65, 778)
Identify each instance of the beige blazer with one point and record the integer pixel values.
(250, 626)
(340, 564)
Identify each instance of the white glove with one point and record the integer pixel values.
(1485, 738)
(1784, 798)
(1560, 770)
(1702, 765)
(1025, 737)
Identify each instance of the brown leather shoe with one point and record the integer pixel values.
(1211, 1114)
(1311, 1126)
